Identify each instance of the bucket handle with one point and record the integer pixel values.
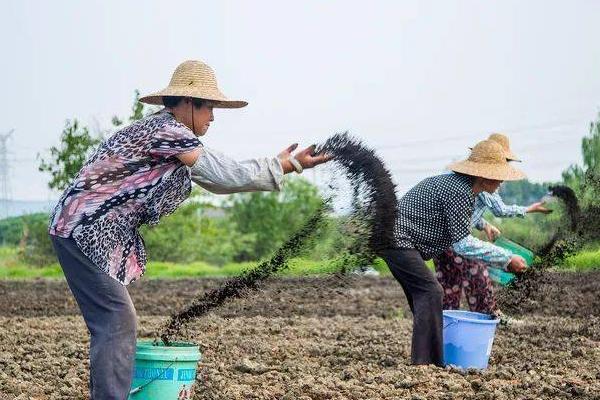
(141, 387)
(453, 322)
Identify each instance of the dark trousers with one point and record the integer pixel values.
(424, 295)
(110, 318)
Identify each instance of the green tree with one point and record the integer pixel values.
(68, 157)
(585, 179)
(77, 144)
(522, 192)
(272, 217)
(138, 111)
(192, 234)
(12, 228)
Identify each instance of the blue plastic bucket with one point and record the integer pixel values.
(164, 372)
(468, 338)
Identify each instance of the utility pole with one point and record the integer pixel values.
(5, 192)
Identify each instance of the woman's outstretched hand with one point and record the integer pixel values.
(539, 208)
(306, 158)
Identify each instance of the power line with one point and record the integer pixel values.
(533, 128)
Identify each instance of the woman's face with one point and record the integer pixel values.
(203, 116)
(490, 185)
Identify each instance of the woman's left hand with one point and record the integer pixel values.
(539, 208)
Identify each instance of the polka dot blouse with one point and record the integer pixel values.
(435, 214)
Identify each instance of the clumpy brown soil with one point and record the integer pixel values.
(311, 338)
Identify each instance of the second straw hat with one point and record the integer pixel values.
(488, 160)
(505, 143)
(194, 79)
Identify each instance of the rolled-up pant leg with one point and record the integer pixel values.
(110, 317)
(424, 295)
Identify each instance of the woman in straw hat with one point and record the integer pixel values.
(433, 216)
(136, 176)
(457, 273)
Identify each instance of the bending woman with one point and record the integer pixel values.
(135, 177)
(457, 273)
(433, 216)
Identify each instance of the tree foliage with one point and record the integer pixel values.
(272, 217)
(585, 179)
(191, 234)
(68, 157)
(138, 111)
(77, 144)
(522, 192)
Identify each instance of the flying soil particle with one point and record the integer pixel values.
(236, 287)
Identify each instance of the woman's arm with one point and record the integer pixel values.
(495, 203)
(495, 256)
(221, 174)
(471, 247)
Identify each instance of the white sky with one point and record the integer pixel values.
(420, 81)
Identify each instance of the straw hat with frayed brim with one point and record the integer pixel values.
(194, 79)
(488, 160)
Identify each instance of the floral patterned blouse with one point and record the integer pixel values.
(133, 178)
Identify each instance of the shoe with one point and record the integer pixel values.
(506, 320)
(366, 271)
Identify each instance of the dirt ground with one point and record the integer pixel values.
(312, 338)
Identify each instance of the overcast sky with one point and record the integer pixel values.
(420, 81)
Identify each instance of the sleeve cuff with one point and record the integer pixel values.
(276, 170)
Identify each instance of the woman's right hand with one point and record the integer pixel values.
(517, 264)
(306, 158)
(539, 208)
(491, 232)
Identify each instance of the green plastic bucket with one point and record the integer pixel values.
(500, 276)
(515, 248)
(503, 277)
(164, 372)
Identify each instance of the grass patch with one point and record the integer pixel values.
(12, 267)
(583, 261)
(297, 267)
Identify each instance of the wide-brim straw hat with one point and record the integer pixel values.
(503, 141)
(488, 160)
(194, 79)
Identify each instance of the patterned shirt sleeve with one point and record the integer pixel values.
(471, 247)
(458, 210)
(171, 140)
(495, 203)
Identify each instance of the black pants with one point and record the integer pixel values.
(110, 317)
(424, 295)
